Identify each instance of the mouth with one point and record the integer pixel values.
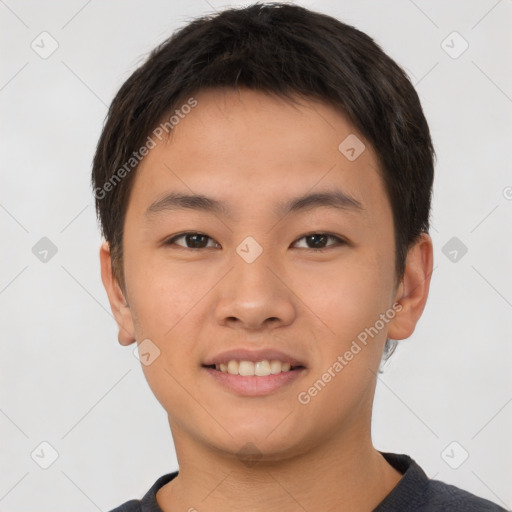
(262, 368)
(246, 371)
(254, 378)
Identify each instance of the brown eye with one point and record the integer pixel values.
(319, 241)
(191, 240)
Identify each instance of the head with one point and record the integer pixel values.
(254, 108)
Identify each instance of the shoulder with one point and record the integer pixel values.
(441, 496)
(148, 502)
(129, 506)
(415, 492)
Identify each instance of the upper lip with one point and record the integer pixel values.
(243, 354)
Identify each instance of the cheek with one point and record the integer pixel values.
(350, 300)
(163, 309)
(165, 304)
(348, 296)
(161, 295)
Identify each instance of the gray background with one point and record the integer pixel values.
(64, 378)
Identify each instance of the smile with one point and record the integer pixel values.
(246, 378)
(249, 368)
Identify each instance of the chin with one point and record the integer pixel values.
(264, 443)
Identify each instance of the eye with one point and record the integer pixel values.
(192, 240)
(319, 241)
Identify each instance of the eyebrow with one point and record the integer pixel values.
(174, 201)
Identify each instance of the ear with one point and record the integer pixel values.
(118, 303)
(412, 291)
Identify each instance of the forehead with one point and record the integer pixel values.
(248, 149)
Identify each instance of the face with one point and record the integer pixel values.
(254, 273)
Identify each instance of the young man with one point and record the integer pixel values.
(263, 183)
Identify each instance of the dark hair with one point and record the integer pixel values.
(285, 50)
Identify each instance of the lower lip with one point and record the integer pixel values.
(253, 385)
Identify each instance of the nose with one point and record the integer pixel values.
(255, 295)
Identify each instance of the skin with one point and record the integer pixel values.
(253, 151)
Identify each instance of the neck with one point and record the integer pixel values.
(347, 474)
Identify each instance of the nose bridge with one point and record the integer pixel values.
(252, 278)
(251, 267)
(252, 294)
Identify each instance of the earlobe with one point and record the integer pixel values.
(118, 303)
(412, 293)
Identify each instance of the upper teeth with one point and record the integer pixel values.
(247, 368)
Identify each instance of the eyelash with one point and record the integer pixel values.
(339, 241)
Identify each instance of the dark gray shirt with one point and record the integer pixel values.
(414, 492)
